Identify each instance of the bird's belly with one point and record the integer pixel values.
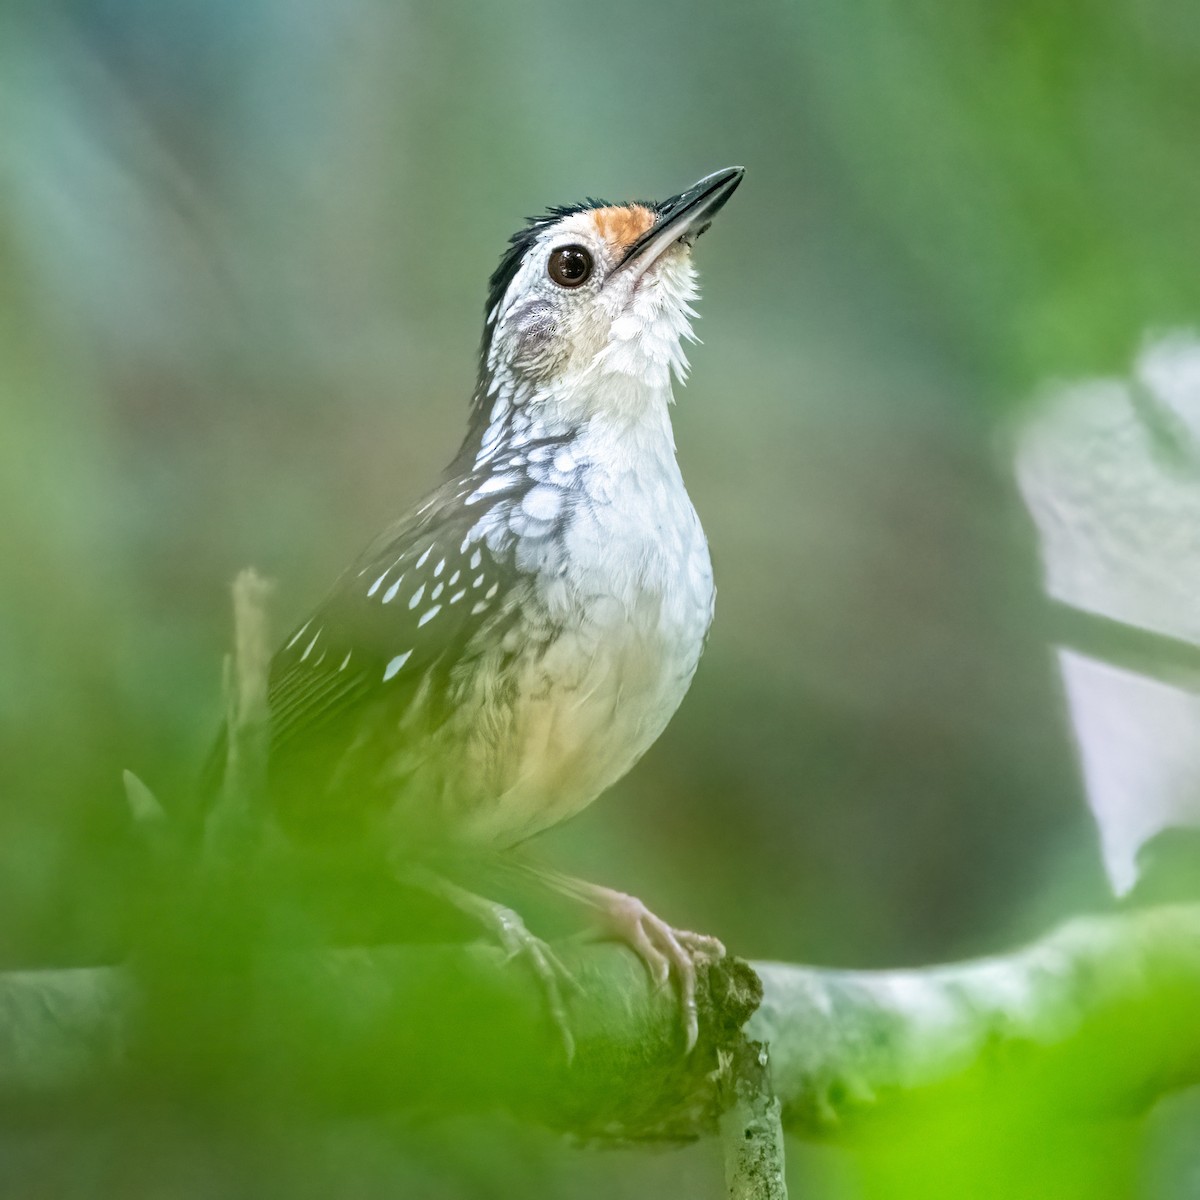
(581, 716)
(586, 702)
(562, 704)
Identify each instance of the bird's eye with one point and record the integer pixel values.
(570, 266)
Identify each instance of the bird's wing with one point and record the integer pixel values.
(412, 604)
(379, 661)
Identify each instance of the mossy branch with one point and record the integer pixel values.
(1096, 1018)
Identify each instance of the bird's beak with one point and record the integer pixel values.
(683, 218)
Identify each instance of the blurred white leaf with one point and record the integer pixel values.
(1110, 470)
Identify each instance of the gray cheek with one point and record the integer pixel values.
(535, 342)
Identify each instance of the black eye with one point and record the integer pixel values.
(569, 266)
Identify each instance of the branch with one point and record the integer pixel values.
(752, 1128)
(1096, 1018)
(413, 1028)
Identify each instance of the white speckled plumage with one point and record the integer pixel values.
(620, 573)
(484, 711)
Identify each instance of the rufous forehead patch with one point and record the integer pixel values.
(622, 224)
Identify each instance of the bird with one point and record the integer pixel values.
(508, 649)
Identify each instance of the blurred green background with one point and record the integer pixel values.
(243, 248)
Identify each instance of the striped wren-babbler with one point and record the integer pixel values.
(508, 649)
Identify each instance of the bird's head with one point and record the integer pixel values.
(597, 290)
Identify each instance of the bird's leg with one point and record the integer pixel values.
(663, 949)
(507, 927)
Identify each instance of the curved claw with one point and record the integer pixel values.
(664, 950)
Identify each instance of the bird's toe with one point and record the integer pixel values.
(664, 950)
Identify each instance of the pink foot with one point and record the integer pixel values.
(664, 950)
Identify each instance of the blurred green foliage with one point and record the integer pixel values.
(243, 245)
